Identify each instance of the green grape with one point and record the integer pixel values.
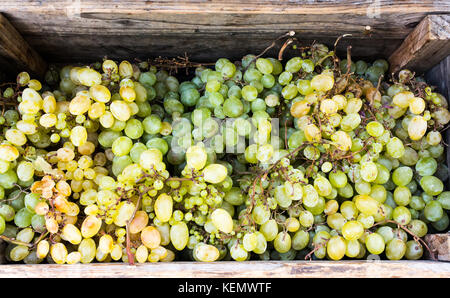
(282, 242)
(7, 213)
(433, 211)
(395, 249)
(414, 250)
(22, 218)
(401, 215)
(402, 195)
(402, 176)
(431, 185)
(426, 166)
(375, 243)
(444, 199)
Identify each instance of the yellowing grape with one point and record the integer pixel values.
(90, 226)
(150, 158)
(150, 237)
(342, 140)
(110, 67)
(15, 137)
(78, 135)
(58, 252)
(8, 152)
(322, 82)
(353, 106)
(100, 93)
(336, 248)
(300, 108)
(71, 233)
(124, 213)
(42, 249)
(366, 204)
(120, 110)
(179, 235)
(352, 230)
(353, 248)
(196, 157)
(116, 252)
(96, 110)
(141, 254)
(206, 253)
(125, 69)
(29, 107)
(250, 241)
(49, 104)
(32, 95)
(340, 100)
(73, 258)
(127, 93)
(215, 173)
(48, 120)
(417, 105)
(328, 106)
(89, 77)
(105, 244)
(402, 99)
(312, 133)
(27, 127)
(163, 207)
(51, 224)
(87, 250)
(434, 138)
(139, 222)
(264, 153)
(79, 105)
(417, 128)
(222, 220)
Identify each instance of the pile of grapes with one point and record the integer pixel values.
(314, 158)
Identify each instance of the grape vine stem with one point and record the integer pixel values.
(13, 241)
(128, 241)
(416, 238)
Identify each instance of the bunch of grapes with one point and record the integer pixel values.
(256, 159)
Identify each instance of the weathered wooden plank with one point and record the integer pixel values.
(251, 269)
(209, 29)
(440, 244)
(16, 50)
(439, 76)
(425, 46)
(199, 47)
(122, 17)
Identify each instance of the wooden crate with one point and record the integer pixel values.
(408, 33)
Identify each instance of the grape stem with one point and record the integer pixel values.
(264, 174)
(416, 238)
(13, 241)
(286, 43)
(40, 238)
(129, 253)
(316, 248)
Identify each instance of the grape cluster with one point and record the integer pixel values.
(255, 159)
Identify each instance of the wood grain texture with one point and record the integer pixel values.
(439, 76)
(251, 269)
(440, 244)
(207, 30)
(16, 51)
(425, 46)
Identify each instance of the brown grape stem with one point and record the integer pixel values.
(40, 238)
(128, 241)
(316, 248)
(416, 238)
(13, 241)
